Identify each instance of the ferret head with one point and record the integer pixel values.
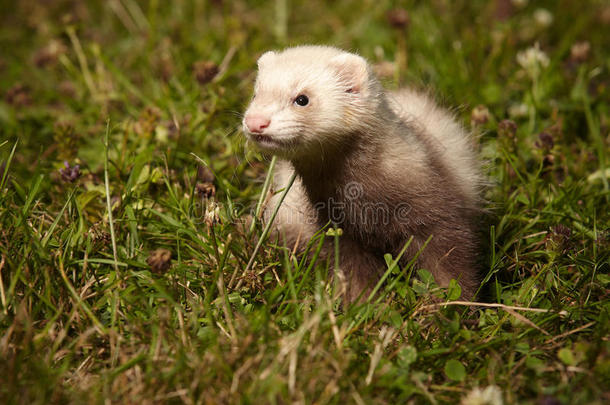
(307, 99)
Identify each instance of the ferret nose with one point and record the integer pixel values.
(256, 123)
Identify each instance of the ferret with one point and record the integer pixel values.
(382, 166)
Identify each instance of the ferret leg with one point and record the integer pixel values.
(447, 262)
(295, 223)
(361, 269)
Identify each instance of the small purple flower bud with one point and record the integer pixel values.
(70, 174)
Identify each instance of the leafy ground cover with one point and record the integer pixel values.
(126, 190)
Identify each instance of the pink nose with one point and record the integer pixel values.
(256, 123)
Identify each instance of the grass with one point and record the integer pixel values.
(127, 279)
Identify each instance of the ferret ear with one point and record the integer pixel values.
(351, 69)
(265, 58)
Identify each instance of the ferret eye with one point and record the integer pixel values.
(301, 100)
